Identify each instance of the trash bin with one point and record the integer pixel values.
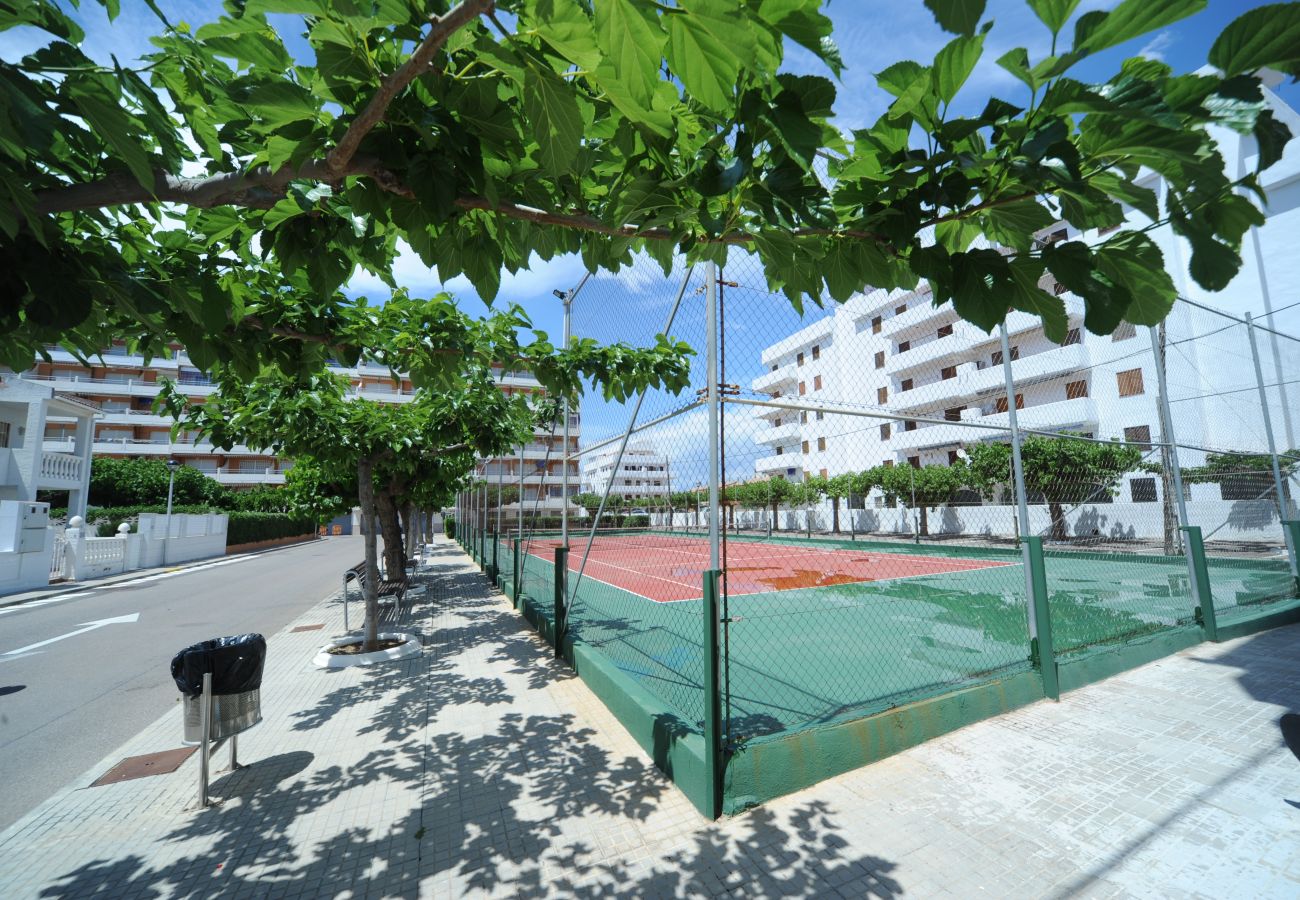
(236, 665)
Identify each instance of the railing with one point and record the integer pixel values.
(59, 559)
(60, 466)
(105, 552)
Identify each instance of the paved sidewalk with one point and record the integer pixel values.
(485, 768)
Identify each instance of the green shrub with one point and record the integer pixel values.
(250, 527)
(638, 521)
(449, 526)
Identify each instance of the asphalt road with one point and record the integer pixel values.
(68, 703)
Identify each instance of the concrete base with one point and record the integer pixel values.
(326, 660)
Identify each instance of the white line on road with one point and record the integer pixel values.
(85, 626)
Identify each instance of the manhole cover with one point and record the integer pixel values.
(143, 766)
(308, 628)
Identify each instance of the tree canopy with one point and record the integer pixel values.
(222, 191)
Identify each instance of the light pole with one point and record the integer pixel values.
(172, 466)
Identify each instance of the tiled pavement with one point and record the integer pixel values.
(486, 768)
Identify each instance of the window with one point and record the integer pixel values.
(1071, 337)
(774, 367)
(1130, 382)
(803, 418)
(906, 385)
(776, 423)
(780, 451)
(880, 359)
(1058, 289)
(899, 310)
(823, 473)
(805, 446)
(944, 331)
(904, 346)
(821, 444)
(1076, 389)
(1001, 403)
(954, 414)
(4, 434)
(1107, 230)
(798, 360)
(803, 389)
(914, 462)
(1125, 331)
(997, 356)
(948, 372)
(817, 351)
(820, 415)
(909, 425)
(1140, 435)
(884, 432)
(1143, 490)
(888, 463)
(952, 457)
(875, 325)
(817, 382)
(882, 395)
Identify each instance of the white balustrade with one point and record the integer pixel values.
(60, 467)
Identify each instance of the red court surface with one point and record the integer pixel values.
(666, 569)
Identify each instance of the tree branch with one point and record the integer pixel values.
(443, 27)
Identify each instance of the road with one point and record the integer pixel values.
(80, 686)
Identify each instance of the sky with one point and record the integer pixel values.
(871, 34)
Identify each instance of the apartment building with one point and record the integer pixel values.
(943, 378)
(643, 473)
(123, 387)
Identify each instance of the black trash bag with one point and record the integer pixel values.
(235, 663)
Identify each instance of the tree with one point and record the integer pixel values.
(1064, 469)
(599, 129)
(924, 487)
(1243, 476)
(143, 482)
(837, 489)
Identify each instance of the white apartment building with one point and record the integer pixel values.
(643, 473)
(123, 388)
(896, 353)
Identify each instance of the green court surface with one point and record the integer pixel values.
(806, 656)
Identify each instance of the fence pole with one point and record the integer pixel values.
(1282, 511)
(517, 572)
(1205, 596)
(713, 763)
(711, 375)
(1293, 532)
(561, 615)
(1042, 648)
(1018, 471)
(493, 570)
(1196, 569)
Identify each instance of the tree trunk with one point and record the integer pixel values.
(776, 523)
(394, 553)
(925, 521)
(835, 514)
(411, 524)
(1058, 521)
(370, 586)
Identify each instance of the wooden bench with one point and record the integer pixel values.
(389, 589)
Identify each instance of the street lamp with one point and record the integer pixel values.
(172, 466)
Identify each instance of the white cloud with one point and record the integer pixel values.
(1154, 48)
(409, 271)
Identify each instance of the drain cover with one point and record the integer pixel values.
(308, 628)
(143, 766)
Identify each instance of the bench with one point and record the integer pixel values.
(389, 588)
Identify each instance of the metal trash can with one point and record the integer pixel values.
(235, 664)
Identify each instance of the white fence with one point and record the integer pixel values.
(155, 543)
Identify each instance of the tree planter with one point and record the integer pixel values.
(409, 648)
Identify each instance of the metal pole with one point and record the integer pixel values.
(1272, 447)
(1200, 591)
(1018, 470)
(711, 375)
(345, 604)
(564, 489)
(171, 484)
(205, 747)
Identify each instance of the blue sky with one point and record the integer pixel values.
(872, 34)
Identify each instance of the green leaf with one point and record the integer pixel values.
(707, 48)
(1132, 18)
(99, 105)
(1016, 61)
(1053, 13)
(281, 102)
(957, 16)
(1271, 136)
(1135, 262)
(1265, 37)
(900, 76)
(1123, 189)
(632, 41)
(1028, 297)
(566, 27)
(953, 65)
(552, 111)
(1014, 224)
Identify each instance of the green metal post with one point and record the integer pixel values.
(1042, 649)
(518, 574)
(1201, 592)
(1293, 528)
(561, 614)
(713, 766)
(492, 566)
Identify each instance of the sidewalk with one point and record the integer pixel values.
(483, 767)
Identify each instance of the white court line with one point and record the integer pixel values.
(631, 571)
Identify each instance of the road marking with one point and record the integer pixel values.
(85, 626)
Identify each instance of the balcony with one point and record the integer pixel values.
(134, 417)
(973, 382)
(955, 345)
(59, 469)
(1065, 415)
(779, 464)
(776, 380)
(921, 311)
(788, 432)
(259, 477)
(180, 449)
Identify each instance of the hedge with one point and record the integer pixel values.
(449, 526)
(250, 527)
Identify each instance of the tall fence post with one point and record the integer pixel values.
(1041, 647)
(1204, 594)
(518, 574)
(713, 759)
(1283, 511)
(561, 614)
(1018, 472)
(1292, 527)
(493, 569)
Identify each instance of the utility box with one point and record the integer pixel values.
(33, 523)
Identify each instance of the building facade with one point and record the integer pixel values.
(643, 472)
